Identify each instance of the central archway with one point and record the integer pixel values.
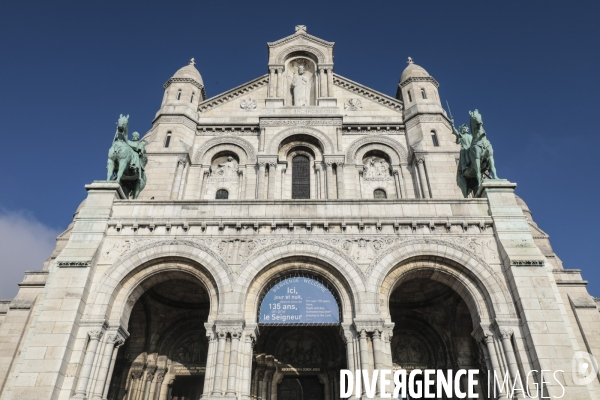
(299, 309)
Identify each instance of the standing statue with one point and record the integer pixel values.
(127, 160)
(299, 85)
(476, 155)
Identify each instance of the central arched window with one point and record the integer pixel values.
(379, 194)
(300, 177)
(222, 194)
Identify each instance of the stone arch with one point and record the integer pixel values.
(148, 257)
(462, 270)
(135, 284)
(332, 264)
(301, 48)
(398, 153)
(250, 152)
(323, 139)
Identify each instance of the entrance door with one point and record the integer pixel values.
(187, 388)
(300, 389)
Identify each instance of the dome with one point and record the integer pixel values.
(189, 71)
(413, 71)
(525, 208)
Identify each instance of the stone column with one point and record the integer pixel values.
(160, 376)
(218, 381)
(111, 369)
(340, 180)
(349, 339)
(505, 336)
(261, 181)
(377, 354)
(330, 183)
(177, 179)
(203, 179)
(210, 362)
(271, 82)
(272, 176)
(489, 342)
(279, 82)
(184, 172)
(397, 182)
(329, 82)
(247, 365)
(105, 362)
(84, 375)
(423, 178)
(148, 384)
(282, 194)
(241, 185)
(233, 360)
(323, 82)
(401, 170)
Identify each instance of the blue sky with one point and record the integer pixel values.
(69, 68)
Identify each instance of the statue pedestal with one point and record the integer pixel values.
(501, 184)
(273, 103)
(327, 102)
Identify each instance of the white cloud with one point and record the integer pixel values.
(25, 243)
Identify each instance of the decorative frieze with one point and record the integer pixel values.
(175, 120)
(300, 122)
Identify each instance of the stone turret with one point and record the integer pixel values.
(428, 132)
(183, 92)
(418, 90)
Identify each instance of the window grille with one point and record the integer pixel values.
(379, 194)
(222, 194)
(300, 177)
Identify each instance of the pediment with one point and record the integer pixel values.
(321, 51)
(367, 94)
(234, 94)
(299, 37)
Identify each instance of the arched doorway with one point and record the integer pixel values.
(165, 355)
(432, 330)
(299, 352)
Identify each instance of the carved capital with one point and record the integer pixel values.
(272, 70)
(95, 334)
(488, 338)
(420, 160)
(376, 334)
(182, 162)
(506, 333)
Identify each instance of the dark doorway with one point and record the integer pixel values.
(187, 388)
(308, 388)
(300, 177)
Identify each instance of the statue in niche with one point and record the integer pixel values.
(299, 87)
(376, 168)
(228, 169)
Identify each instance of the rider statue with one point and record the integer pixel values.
(476, 155)
(127, 160)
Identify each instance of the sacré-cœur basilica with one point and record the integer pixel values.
(253, 244)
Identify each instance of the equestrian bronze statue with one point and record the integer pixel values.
(476, 155)
(127, 160)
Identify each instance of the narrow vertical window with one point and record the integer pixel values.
(434, 139)
(423, 94)
(179, 94)
(409, 97)
(168, 139)
(192, 98)
(222, 194)
(300, 177)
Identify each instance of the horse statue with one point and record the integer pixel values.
(127, 160)
(476, 156)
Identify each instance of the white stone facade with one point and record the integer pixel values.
(377, 216)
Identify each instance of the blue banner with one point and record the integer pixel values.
(299, 301)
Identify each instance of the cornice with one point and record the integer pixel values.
(420, 79)
(302, 35)
(186, 80)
